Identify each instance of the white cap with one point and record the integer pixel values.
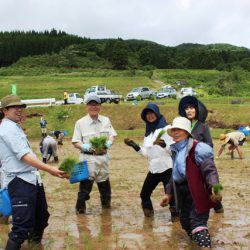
(180, 123)
(94, 98)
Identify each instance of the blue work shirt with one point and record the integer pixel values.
(14, 145)
(180, 151)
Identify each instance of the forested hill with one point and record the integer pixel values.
(59, 49)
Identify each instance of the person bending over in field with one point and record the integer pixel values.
(235, 140)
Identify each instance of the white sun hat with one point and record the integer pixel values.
(180, 123)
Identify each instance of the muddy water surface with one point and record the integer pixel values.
(124, 226)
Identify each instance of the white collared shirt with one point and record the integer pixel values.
(87, 128)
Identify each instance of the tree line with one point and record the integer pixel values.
(59, 49)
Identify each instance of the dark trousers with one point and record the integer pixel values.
(85, 189)
(149, 185)
(189, 219)
(29, 210)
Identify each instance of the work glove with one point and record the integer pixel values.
(216, 193)
(85, 147)
(108, 144)
(160, 142)
(132, 144)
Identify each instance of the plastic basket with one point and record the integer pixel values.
(5, 204)
(80, 172)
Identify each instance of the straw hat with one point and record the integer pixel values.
(11, 100)
(223, 139)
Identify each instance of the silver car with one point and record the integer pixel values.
(165, 93)
(140, 94)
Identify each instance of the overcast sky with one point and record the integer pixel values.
(167, 22)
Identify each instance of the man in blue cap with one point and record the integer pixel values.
(89, 126)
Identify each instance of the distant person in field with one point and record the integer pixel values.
(48, 147)
(43, 125)
(94, 125)
(157, 151)
(65, 97)
(22, 178)
(196, 112)
(235, 140)
(59, 135)
(194, 183)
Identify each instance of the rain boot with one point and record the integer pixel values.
(147, 208)
(35, 238)
(56, 158)
(148, 212)
(12, 245)
(44, 160)
(202, 238)
(85, 188)
(105, 192)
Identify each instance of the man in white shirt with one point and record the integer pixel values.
(89, 126)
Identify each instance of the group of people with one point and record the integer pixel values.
(180, 156)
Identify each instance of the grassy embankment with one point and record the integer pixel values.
(125, 117)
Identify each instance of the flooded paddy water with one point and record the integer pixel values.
(124, 226)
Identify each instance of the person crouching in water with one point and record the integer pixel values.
(195, 181)
(159, 155)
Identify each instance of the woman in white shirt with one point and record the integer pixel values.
(158, 154)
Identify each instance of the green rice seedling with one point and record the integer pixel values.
(217, 188)
(99, 144)
(67, 165)
(162, 132)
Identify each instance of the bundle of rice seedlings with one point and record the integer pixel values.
(217, 188)
(98, 144)
(67, 165)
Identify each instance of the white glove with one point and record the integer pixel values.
(85, 147)
(108, 144)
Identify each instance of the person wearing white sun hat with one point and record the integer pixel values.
(194, 183)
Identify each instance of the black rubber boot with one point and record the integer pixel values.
(147, 208)
(202, 238)
(35, 238)
(85, 188)
(56, 158)
(148, 212)
(12, 245)
(105, 192)
(44, 160)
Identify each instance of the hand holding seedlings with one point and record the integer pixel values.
(159, 141)
(216, 193)
(67, 166)
(99, 145)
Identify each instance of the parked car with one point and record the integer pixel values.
(188, 91)
(104, 94)
(140, 94)
(75, 98)
(166, 92)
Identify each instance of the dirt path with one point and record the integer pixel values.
(124, 226)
